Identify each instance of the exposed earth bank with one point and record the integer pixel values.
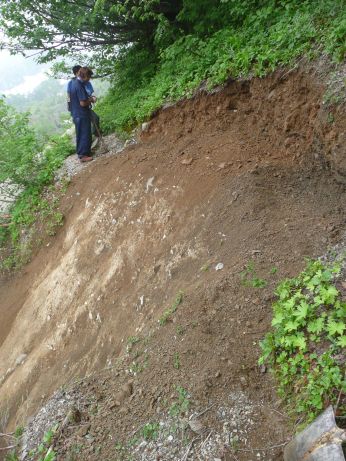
(252, 173)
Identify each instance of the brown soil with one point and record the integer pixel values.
(244, 174)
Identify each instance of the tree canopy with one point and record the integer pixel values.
(54, 28)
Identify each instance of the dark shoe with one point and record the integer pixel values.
(85, 158)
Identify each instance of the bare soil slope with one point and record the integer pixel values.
(245, 174)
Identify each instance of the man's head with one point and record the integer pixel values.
(85, 73)
(75, 69)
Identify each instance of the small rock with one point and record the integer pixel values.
(196, 426)
(219, 267)
(125, 392)
(187, 161)
(263, 368)
(90, 438)
(20, 359)
(218, 374)
(82, 431)
(145, 127)
(114, 404)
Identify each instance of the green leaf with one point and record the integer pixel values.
(50, 456)
(329, 294)
(291, 325)
(335, 328)
(278, 319)
(341, 341)
(302, 311)
(300, 342)
(316, 326)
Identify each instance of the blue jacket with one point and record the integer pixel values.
(78, 93)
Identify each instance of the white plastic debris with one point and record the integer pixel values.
(149, 184)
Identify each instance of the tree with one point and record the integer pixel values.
(53, 28)
(18, 148)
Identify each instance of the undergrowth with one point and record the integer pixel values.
(37, 204)
(306, 348)
(240, 39)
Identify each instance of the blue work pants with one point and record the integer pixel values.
(83, 136)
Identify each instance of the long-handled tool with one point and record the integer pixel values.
(99, 138)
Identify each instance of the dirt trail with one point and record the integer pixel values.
(245, 174)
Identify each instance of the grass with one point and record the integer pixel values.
(249, 277)
(180, 330)
(176, 361)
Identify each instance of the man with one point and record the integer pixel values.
(95, 119)
(75, 70)
(81, 113)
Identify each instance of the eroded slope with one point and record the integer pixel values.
(237, 176)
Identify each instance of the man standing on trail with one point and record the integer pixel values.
(81, 113)
(95, 119)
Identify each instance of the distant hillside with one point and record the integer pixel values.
(13, 69)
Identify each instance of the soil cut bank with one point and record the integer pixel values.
(248, 174)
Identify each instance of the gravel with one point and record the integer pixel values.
(109, 145)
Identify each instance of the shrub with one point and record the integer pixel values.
(306, 349)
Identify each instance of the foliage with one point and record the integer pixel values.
(30, 168)
(131, 341)
(11, 456)
(176, 361)
(97, 25)
(19, 432)
(46, 105)
(181, 406)
(43, 452)
(150, 431)
(306, 349)
(18, 147)
(250, 279)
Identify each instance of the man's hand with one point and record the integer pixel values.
(88, 101)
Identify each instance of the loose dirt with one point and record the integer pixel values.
(248, 174)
